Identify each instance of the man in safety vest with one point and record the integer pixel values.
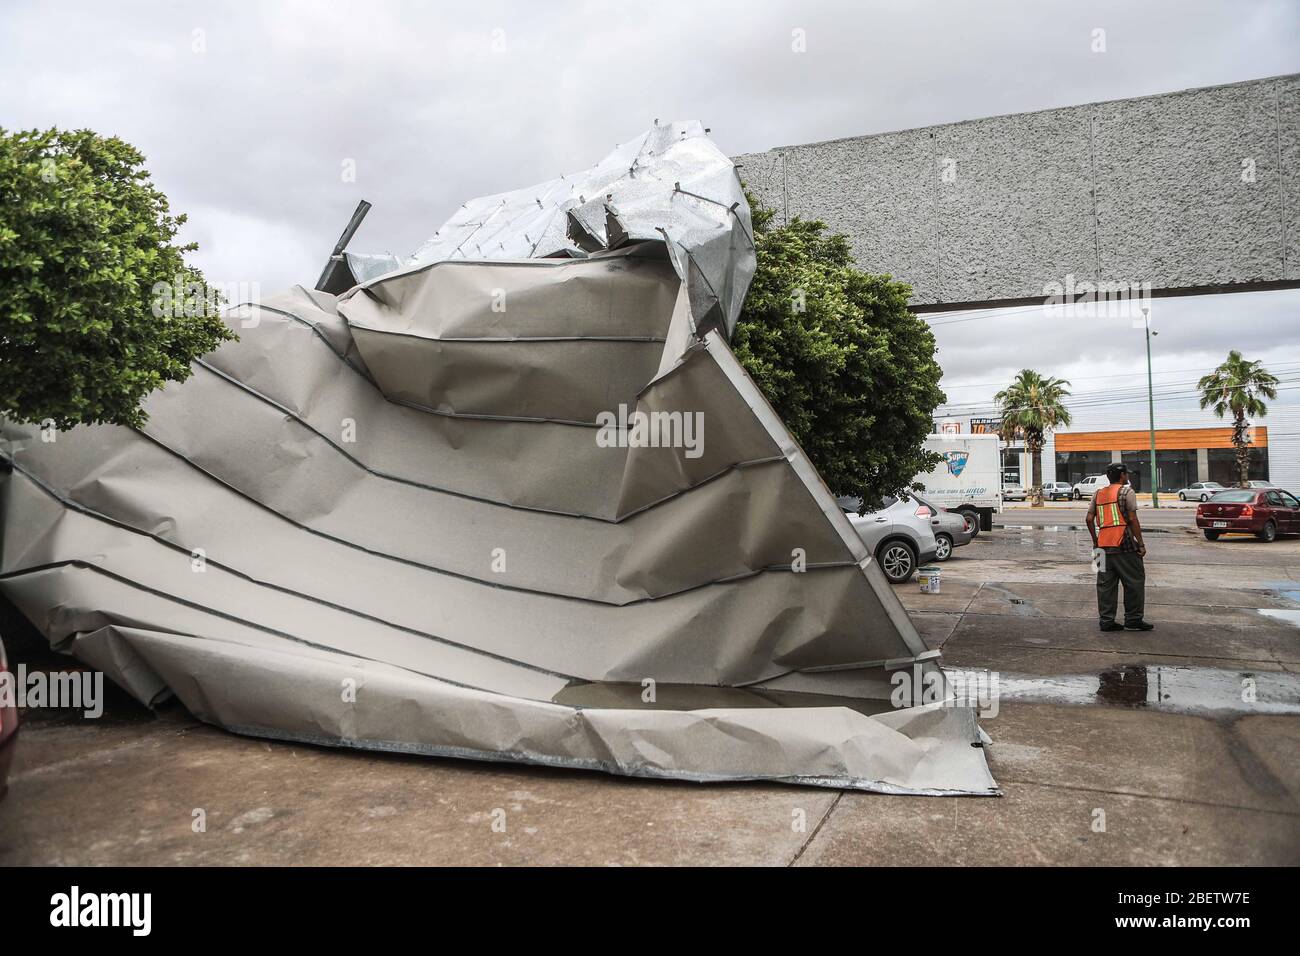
(1113, 523)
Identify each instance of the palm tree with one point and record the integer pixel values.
(1031, 407)
(1238, 386)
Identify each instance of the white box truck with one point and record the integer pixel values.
(969, 479)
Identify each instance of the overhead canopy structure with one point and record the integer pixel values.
(510, 499)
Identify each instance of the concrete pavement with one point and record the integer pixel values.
(1111, 748)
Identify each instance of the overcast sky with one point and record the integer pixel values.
(248, 112)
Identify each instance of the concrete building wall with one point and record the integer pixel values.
(1193, 191)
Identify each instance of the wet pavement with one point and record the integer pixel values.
(1173, 689)
(1177, 746)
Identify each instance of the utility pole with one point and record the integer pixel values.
(1151, 408)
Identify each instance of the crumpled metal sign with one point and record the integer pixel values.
(511, 498)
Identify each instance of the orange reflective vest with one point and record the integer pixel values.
(1111, 520)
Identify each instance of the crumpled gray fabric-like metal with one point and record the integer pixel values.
(670, 184)
(391, 520)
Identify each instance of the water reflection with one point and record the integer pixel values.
(1158, 687)
(1126, 686)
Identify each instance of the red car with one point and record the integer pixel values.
(8, 722)
(1263, 512)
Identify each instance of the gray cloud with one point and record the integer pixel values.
(437, 103)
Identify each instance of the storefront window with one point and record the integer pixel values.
(1011, 466)
(1175, 468)
(1223, 465)
(1074, 466)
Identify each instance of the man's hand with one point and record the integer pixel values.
(1136, 527)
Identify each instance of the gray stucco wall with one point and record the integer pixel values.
(1136, 191)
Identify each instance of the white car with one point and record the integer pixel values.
(1054, 490)
(1200, 491)
(1013, 492)
(898, 533)
(1089, 486)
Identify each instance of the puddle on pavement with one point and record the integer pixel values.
(1188, 690)
(1287, 592)
(1185, 690)
(1074, 527)
(1043, 527)
(1291, 617)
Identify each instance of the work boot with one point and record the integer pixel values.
(1111, 626)
(1140, 626)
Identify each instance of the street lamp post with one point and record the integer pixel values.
(1151, 408)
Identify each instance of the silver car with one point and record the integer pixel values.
(897, 532)
(1011, 491)
(1200, 491)
(949, 527)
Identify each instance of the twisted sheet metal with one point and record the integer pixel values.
(387, 520)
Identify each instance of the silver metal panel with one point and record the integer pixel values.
(402, 520)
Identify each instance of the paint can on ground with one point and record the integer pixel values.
(929, 576)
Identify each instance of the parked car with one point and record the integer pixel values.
(951, 529)
(1089, 486)
(1200, 491)
(1265, 513)
(1260, 484)
(1013, 492)
(1057, 491)
(897, 532)
(8, 723)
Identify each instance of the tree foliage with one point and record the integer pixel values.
(848, 368)
(1031, 406)
(1239, 387)
(97, 306)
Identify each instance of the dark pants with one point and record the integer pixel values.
(1123, 566)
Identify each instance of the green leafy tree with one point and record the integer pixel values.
(97, 306)
(1032, 406)
(1239, 386)
(848, 368)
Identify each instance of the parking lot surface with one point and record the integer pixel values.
(1176, 746)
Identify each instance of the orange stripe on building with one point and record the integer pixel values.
(1166, 438)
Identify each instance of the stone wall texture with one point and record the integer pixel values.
(1194, 191)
